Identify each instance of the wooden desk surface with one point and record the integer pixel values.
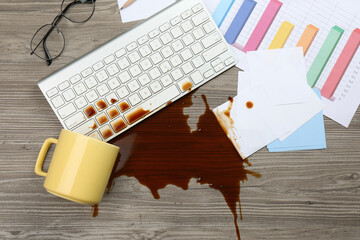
(301, 195)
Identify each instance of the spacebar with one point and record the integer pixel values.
(146, 107)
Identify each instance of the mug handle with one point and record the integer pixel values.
(40, 160)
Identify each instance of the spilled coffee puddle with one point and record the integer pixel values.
(163, 150)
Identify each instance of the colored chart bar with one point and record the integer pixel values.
(263, 26)
(307, 38)
(282, 35)
(341, 65)
(239, 21)
(221, 11)
(324, 55)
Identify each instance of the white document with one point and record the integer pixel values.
(142, 9)
(211, 5)
(250, 129)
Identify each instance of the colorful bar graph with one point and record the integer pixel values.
(263, 26)
(282, 35)
(239, 21)
(221, 11)
(341, 65)
(307, 38)
(324, 55)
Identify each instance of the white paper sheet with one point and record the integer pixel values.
(142, 9)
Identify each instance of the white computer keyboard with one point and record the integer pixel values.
(134, 75)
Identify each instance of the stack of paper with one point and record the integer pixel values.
(274, 100)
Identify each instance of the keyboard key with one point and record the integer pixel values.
(98, 65)
(166, 38)
(198, 33)
(123, 63)
(112, 98)
(155, 44)
(69, 95)
(113, 83)
(67, 110)
(102, 118)
(124, 106)
(209, 73)
(86, 127)
(154, 33)
(102, 76)
(102, 89)
(209, 27)
(90, 111)
(131, 46)
(214, 51)
(96, 135)
(134, 99)
(142, 40)
(145, 50)
(176, 32)
(52, 92)
(90, 82)
(80, 88)
(175, 20)
(154, 73)
(186, 54)
(177, 45)
(109, 59)
(176, 61)
(187, 68)
(229, 61)
(91, 96)
(57, 101)
(74, 120)
(144, 79)
(124, 77)
(134, 57)
(186, 14)
(187, 26)
(64, 85)
(113, 112)
(135, 70)
(211, 40)
(200, 18)
(167, 51)
(118, 125)
(112, 69)
(146, 64)
(215, 62)
(197, 77)
(120, 53)
(197, 48)
(165, 67)
(86, 72)
(106, 132)
(198, 61)
(80, 102)
(101, 105)
(133, 85)
(145, 93)
(219, 67)
(156, 58)
(75, 79)
(152, 104)
(177, 74)
(188, 39)
(155, 86)
(185, 84)
(165, 27)
(166, 80)
(122, 92)
(197, 8)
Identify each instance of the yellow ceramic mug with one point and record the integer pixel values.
(80, 167)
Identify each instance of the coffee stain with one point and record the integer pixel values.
(154, 153)
(249, 105)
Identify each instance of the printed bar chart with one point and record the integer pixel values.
(324, 55)
(282, 35)
(307, 38)
(221, 11)
(239, 21)
(341, 65)
(263, 26)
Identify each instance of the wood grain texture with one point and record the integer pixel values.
(301, 195)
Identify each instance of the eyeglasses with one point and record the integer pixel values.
(51, 37)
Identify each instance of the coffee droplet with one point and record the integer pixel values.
(249, 105)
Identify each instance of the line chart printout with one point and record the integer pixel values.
(314, 23)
